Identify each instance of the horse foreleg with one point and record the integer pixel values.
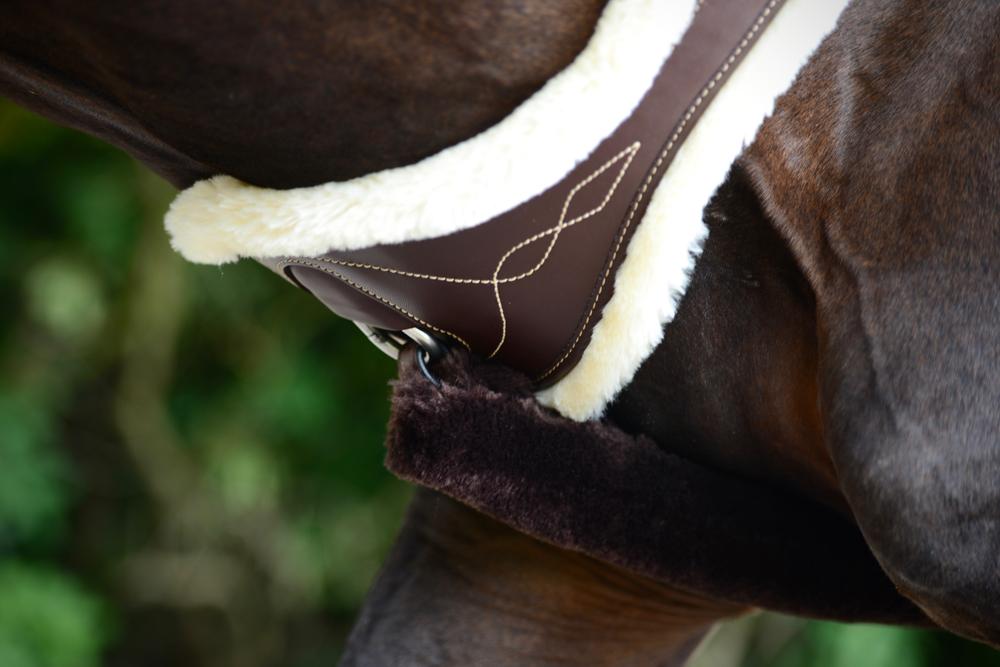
(461, 589)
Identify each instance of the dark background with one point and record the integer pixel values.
(190, 457)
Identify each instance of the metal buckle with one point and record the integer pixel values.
(392, 343)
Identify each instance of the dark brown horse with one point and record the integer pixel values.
(840, 337)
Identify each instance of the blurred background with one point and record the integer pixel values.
(190, 457)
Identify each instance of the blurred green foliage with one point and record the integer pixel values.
(46, 618)
(190, 457)
(772, 640)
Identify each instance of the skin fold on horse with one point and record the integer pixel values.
(839, 337)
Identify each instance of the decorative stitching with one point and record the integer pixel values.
(631, 151)
(628, 153)
(310, 264)
(721, 72)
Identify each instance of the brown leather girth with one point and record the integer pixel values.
(528, 286)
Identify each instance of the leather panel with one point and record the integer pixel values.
(528, 286)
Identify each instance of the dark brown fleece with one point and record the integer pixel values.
(589, 487)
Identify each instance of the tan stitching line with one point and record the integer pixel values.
(721, 72)
(631, 151)
(305, 262)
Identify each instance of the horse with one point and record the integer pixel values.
(838, 338)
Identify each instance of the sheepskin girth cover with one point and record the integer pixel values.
(482, 439)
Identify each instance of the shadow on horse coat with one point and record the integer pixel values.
(840, 336)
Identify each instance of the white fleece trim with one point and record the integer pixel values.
(665, 246)
(221, 219)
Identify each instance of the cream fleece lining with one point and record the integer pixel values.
(663, 250)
